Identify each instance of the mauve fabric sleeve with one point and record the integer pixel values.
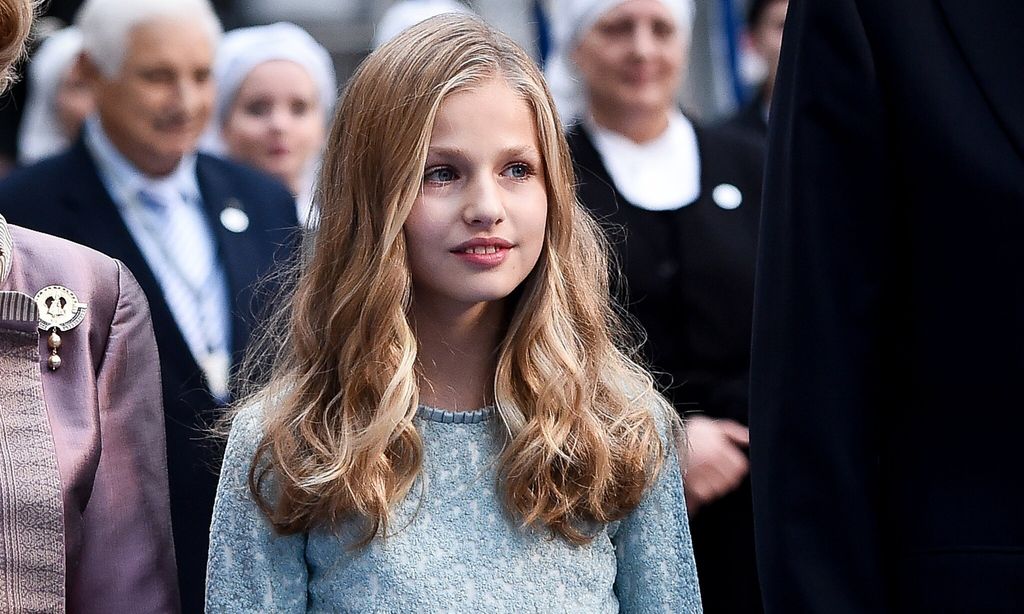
(127, 554)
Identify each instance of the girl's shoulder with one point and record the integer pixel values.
(667, 421)
(247, 428)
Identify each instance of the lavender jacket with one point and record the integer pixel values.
(84, 511)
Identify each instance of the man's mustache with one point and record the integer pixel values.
(173, 121)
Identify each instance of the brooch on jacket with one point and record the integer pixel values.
(59, 311)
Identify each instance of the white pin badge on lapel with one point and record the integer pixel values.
(727, 196)
(233, 217)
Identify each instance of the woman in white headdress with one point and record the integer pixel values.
(276, 88)
(687, 198)
(58, 99)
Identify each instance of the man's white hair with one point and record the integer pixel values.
(107, 24)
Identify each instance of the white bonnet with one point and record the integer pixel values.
(244, 49)
(41, 134)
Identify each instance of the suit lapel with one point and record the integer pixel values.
(101, 226)
(239, 250)
(991, 38)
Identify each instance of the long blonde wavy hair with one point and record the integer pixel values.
(339, 440)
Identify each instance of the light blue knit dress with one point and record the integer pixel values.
(454, 548)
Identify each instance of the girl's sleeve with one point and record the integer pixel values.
(251, 568)
(656, 570)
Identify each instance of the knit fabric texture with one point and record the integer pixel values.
(451, 545)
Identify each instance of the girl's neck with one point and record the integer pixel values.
(457, 354)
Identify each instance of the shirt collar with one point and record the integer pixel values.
(662, 174)
(124, 179)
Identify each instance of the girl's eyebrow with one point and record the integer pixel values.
(515, 151)
(447, 152)
(522, 151)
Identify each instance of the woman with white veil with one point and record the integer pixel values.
(276, 89)
(58, 99)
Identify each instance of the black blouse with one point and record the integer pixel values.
(689, 272)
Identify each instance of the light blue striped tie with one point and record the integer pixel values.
(182, 234)
(190, 279)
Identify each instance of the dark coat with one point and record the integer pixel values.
(888, 350)
(64, 196)
(690, 279)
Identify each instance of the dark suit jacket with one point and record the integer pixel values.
(888, 356)
(749, 119)
(64, 196)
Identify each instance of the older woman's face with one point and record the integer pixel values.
(631, 60)
(276, 122)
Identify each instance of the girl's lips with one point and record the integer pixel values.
(484, 252)
(490, 258)
(483, 242)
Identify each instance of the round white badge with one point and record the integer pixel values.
(727, 196)
(234, 219)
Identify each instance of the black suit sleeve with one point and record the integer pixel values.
(826, 268)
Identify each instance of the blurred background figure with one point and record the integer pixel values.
(59, 98)
(718, 82)
(52, 16)
(765, 21)
(407, 13)
(275, 93)
(197, 231)
(681, 203)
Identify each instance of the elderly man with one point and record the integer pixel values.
(196, 231)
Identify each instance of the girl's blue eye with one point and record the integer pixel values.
(441, 175)
(519, 171)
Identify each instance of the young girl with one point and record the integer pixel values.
(451, 424)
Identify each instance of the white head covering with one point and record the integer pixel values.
(244, 49)
(660, 175)
(408, 13)
(570, 20)
(41, 134)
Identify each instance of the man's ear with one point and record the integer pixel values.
(88, 69)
